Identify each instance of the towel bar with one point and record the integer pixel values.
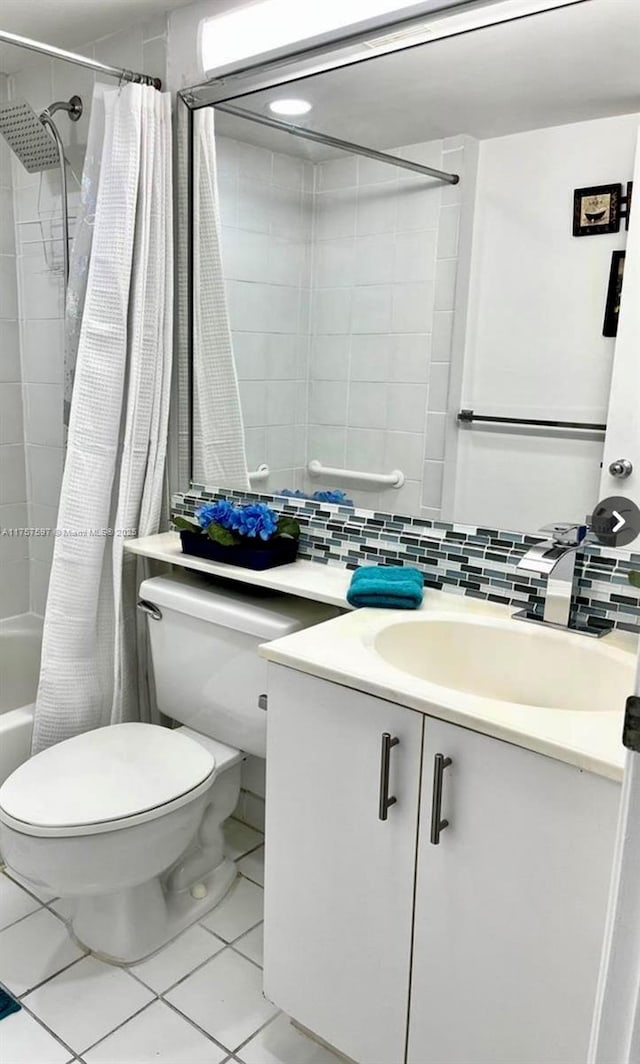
(469, 416)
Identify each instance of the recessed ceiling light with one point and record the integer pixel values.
(290, 107)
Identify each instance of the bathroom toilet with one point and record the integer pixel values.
(127, 820)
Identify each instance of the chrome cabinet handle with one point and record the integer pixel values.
(440, 762)
(385, 755)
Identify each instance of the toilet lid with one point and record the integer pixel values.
(110, 774)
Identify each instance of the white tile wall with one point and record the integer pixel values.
(376, 252)
(267, 211)
(32, 349)
(14, 549)
(384, 275)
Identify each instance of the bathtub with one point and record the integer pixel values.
(20, 641)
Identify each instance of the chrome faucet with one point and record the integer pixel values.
(556, 559)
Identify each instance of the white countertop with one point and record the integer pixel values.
(342, 651)
(312, 580)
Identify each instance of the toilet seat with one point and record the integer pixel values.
(106, 779)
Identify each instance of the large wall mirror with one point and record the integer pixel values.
(428, 347)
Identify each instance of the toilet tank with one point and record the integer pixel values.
(204, 649)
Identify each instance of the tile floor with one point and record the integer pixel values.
(197, 1001)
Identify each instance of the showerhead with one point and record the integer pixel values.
(28, 136)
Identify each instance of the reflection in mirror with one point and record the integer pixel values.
(369, 305)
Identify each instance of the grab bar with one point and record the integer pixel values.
(392, 480)
(469, 416)
(261, 473)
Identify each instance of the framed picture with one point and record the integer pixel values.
(596, 210)
(625, 204)
(614, 291)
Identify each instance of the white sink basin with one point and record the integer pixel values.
(510, 661)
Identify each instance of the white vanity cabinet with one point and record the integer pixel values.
(480, 949)
(510, 905)
(339, 881)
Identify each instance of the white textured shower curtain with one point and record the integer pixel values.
(116, 447)
(219, 458)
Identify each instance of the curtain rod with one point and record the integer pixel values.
(333, 142)
(79, 60)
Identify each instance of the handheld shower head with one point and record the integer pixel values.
(28, 135)
(38, 145)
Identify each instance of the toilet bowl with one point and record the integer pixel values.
(127, 820)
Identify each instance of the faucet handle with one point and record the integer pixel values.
(566, 533)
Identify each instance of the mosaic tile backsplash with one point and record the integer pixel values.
(461, 559)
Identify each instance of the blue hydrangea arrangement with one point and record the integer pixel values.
(231, 525)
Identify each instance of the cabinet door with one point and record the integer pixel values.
(339, 881)
(510, 906)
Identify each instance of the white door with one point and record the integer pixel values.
(510, 905)
(616, 1023)
(616, 1026)
(339, 880)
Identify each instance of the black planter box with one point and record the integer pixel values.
(267, 555)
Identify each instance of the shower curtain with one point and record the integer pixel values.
(219, 457)
(117, 433)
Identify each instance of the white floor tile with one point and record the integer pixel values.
(224, 998)
(240, 838)
(178, 958)
(282, 1043)
(87, 1001)
(14, 902)
(40, 892)
(33, 950)
(251, 944)
(156, 1036)
(24, 1041)
(240, 910)
(252, 866)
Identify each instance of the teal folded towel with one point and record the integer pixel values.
(391, 587)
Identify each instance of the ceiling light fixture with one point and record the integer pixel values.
(260, 28)
(290, 107)
(265, 27)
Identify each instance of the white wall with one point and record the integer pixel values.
(623, 437)
(14, 550)
(39, 269)
(534, 344)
